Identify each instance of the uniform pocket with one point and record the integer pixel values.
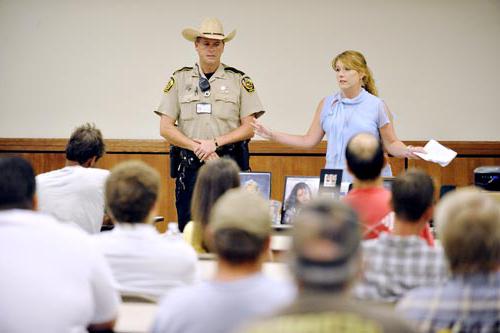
(227, 106)
(188, 106)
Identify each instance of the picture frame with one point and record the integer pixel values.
(297, 190)
(387, 182)
(330, 181)
(257, 182)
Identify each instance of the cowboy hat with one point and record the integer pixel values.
(210, 28)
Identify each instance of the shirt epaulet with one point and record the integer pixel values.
(182, 70)
(234, 70)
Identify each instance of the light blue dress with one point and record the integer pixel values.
(342, 118)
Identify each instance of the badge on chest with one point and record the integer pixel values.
(203, 108)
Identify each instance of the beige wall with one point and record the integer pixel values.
(64, 62)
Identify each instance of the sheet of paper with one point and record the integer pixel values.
(437, 153)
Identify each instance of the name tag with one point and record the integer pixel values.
(203, 108)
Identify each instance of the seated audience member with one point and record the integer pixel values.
(75, 193)
(52, 277)
(213, 180)
(326, 259)
(468, 225)
(365, 161)
(239, 233)
(142, 261)
(400, 261)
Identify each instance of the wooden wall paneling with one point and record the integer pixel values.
(41, 161)
(281, 161)
(397, 165)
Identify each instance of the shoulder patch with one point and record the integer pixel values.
(169, 85)
(247, 83)
(234, 70)
(182, 70)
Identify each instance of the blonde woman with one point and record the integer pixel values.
(354, 109)
(214, 179)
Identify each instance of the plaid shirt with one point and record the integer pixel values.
(469, 303)
(393, 265)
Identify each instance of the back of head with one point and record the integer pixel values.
(17, 183)
(85, 143)
(468, 224)
(241, 226)
(355, 60)
(131, 191)
(412, 195)
(326, 239)
(213, 180)
(365, 156)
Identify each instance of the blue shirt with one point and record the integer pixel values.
(466, 303)
(342, 118)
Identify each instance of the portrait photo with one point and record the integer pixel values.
(330, 181)
(298, 190)
(258, 182)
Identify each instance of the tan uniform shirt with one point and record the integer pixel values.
(232, 97)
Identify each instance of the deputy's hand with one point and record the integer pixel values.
(411, 150)
(261, 130)
(205, 148)
(212, 157)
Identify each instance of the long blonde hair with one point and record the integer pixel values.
(214, 179)
(355, 60)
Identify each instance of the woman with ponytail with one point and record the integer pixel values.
(354, 109)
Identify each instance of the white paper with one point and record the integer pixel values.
(437, 153)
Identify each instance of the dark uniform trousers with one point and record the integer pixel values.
(184, 166)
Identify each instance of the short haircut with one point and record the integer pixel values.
(85, 142)
(468, 223)
(238, 246)
(17, 183)
(412, 194)
(326, 245)
(365, 156)
(131, 191)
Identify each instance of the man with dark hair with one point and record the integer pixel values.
(369, 198)
(398, 262)
(74, 194)
(325, 261)
(240, 229)
(468, 225)
(143, 261)
(53, 279)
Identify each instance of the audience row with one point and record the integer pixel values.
(342, 281)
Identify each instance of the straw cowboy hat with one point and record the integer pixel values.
(210, 28)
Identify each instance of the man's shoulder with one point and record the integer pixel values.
(358, 320)
(233, 70)
(182, 70)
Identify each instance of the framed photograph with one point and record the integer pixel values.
(259, 182)
(298, 190)
(329, 181)
(387, 182)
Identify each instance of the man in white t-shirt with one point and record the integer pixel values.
(143, 261)
(74, 193)
(52, 278)
(240, 229)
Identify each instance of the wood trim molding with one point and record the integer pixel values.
(257, 147)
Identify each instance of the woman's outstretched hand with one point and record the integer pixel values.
(411, 150)
(262, 131)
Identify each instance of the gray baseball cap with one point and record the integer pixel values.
(243, 210)
(326, 243)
